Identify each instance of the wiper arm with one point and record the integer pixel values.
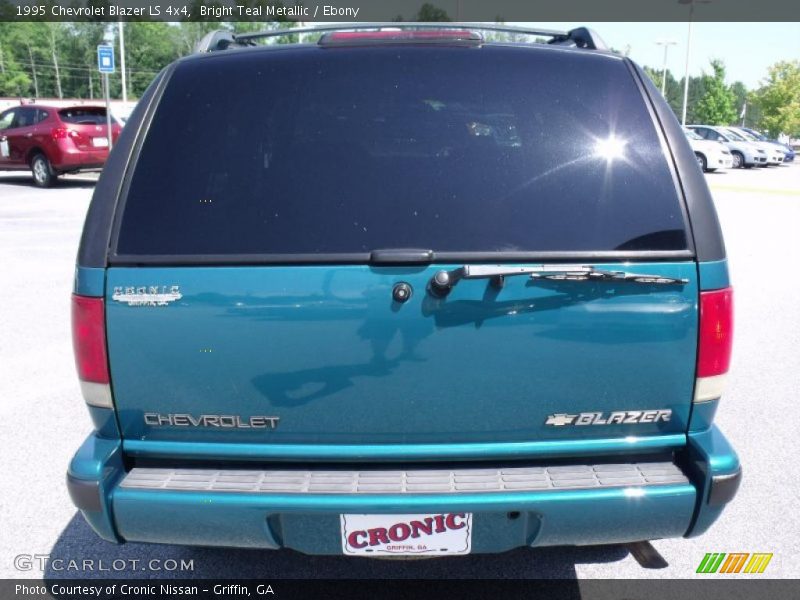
(443, 281)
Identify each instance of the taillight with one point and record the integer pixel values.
(62, 133)
(89, 345)
(715, 343)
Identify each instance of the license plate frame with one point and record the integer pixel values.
(419, 534)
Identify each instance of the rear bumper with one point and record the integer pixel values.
(69, 158)
(535, 506)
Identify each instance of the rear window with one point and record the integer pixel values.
(348, 150)
(84, 115)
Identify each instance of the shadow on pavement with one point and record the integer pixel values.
(78, 543)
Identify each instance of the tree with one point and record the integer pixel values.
(190, 33)
(673, 92)
(697, 90)
(739, 92)
(428, 13)
(20, 40)
(510, 36)
(149, 46)
(14, 81)
(79, 53)
(716, 105)
(779, 99)
(54, 39)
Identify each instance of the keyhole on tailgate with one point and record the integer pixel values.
(401, 292)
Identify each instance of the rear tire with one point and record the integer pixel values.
(43, 174)
(738, 160)
(701, 161)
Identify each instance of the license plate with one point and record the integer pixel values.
(100, 142)
(434, 534)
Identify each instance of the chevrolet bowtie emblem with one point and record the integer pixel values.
(560, 419)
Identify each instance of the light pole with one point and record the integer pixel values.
(122, 61)
(691, 4)
(666, 44)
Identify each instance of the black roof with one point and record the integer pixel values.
(580, 37)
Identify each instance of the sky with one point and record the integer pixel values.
(747, 49)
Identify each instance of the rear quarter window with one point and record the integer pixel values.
(348, 150)
(6, 119)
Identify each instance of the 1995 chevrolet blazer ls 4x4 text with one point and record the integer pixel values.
(402, 292)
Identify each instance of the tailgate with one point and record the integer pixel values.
(330, 355)
(264, 241)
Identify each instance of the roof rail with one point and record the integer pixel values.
(213, 41)
(581, 37)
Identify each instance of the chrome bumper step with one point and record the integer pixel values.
(422, 481)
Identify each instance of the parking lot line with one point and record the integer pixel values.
(749, 190)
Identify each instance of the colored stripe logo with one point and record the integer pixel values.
(734, 562)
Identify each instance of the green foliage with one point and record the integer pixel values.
(710, 100)
(739, 92)
(504, 37)
(190, 33)
(149, 46)
(673, 92)
(78, 57)
(697, 89)
(428, 12)
(779, 99)
(716, 105)
(14, 80)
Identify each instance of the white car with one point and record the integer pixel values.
(710, 155)
(775, 155)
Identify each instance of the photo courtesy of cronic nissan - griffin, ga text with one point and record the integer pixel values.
(392, 295)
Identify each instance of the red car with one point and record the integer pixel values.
(50, 140)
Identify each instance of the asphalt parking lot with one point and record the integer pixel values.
(44, 419)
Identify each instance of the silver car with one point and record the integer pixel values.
(745, 154)
(775, 154)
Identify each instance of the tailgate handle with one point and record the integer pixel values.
(443, 281)
(401, 256)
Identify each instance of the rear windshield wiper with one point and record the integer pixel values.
(444, 281)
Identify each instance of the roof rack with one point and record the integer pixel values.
(580, 37)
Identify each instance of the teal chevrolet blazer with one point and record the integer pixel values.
(402, 292)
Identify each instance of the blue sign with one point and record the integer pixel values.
(105, 59)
